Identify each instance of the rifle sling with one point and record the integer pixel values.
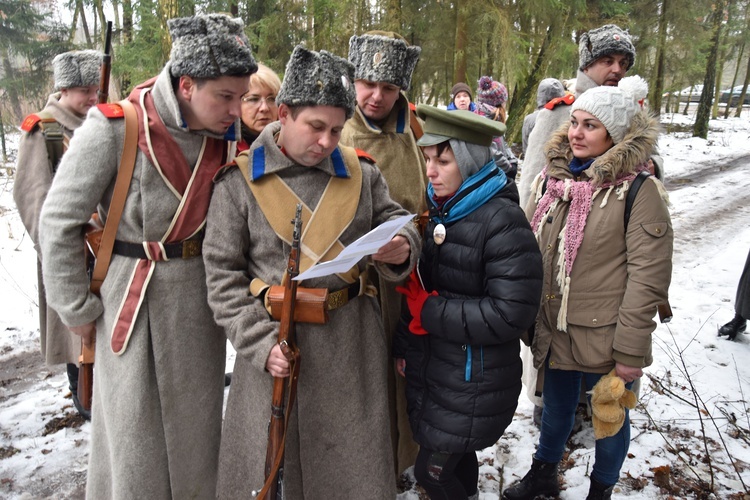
(117, 205)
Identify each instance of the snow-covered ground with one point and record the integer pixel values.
(690, 431)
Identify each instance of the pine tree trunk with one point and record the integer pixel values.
(84, 23)
(658, 88)
(744, 89)
(734, 79)
(462, 36)
(15, 102)
(700, 128)
(127, 21)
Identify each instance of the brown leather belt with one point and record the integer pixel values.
(184, 250)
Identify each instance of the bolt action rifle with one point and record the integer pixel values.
(284, 389)
(93, 239)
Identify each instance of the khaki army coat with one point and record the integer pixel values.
(33, 178)
(157, 408)
(338, 444)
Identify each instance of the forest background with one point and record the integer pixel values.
(679, 43)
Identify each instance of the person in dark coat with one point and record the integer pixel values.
(476, 290)
(738, 324)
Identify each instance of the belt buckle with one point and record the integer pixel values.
(191, 248)
(337, 299)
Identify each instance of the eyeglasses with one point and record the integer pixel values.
(254, 100)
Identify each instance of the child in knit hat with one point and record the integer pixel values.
(491, 98)
(606, 271)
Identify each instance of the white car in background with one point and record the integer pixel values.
(688, 94)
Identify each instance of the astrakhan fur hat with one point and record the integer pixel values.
(318, 79)
(383, 56)
(209, 46)
(78, 68)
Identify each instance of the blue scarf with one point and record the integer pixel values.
(452, 107)
(576, 166)
(473, 193)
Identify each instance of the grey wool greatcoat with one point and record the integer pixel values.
(33, 179)
(156, 419)
(338, 445)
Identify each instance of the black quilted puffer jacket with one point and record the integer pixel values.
(464, 376)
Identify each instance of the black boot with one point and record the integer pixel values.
(731, 329)
(540, 481)
(599, 491)
(72, 370)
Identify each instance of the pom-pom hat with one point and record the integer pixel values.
(491, 92)
(615, 107)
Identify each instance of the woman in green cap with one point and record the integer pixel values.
(474, 292)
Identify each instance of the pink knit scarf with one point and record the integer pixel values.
(580, 195)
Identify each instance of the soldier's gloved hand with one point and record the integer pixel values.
(415, 299)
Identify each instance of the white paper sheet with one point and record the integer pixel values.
(365, 245)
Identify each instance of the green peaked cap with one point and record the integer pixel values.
(441, 125)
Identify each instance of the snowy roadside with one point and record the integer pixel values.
(708, 189)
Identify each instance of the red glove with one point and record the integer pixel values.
(415, 299)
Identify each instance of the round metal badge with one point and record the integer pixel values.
(438, 234)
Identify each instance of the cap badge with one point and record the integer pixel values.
(345, 82)
(239, 40)
(377, 58)
(616, 37)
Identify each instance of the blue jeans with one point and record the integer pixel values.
(562, 389)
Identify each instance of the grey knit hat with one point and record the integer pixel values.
(603, 41)
(615, 107)
(383, 56)
(209, 46)
(548, 89)
(318, 79)
(78, 68)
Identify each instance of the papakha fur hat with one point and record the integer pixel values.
(77, 68)
(383, 56)
(606, 40)
(318, 79)
(209, 46)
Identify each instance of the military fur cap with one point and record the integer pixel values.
(606, 40)
(209, 46)
(78, 68)
(318, 79)
(383, 56)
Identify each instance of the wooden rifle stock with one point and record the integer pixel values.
(86, 359)
(282, 399)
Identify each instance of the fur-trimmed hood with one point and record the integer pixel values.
(620, 160)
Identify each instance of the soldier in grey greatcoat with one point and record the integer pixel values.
(338, 442)
(382, 126)
(159, 374)
(46, 135)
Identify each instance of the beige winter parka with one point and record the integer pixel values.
(618, 278)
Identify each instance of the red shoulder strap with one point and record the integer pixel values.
(30, 122)
(567, 99)
(364, 155)
(111, 110)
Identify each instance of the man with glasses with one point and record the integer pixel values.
(45, 139)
